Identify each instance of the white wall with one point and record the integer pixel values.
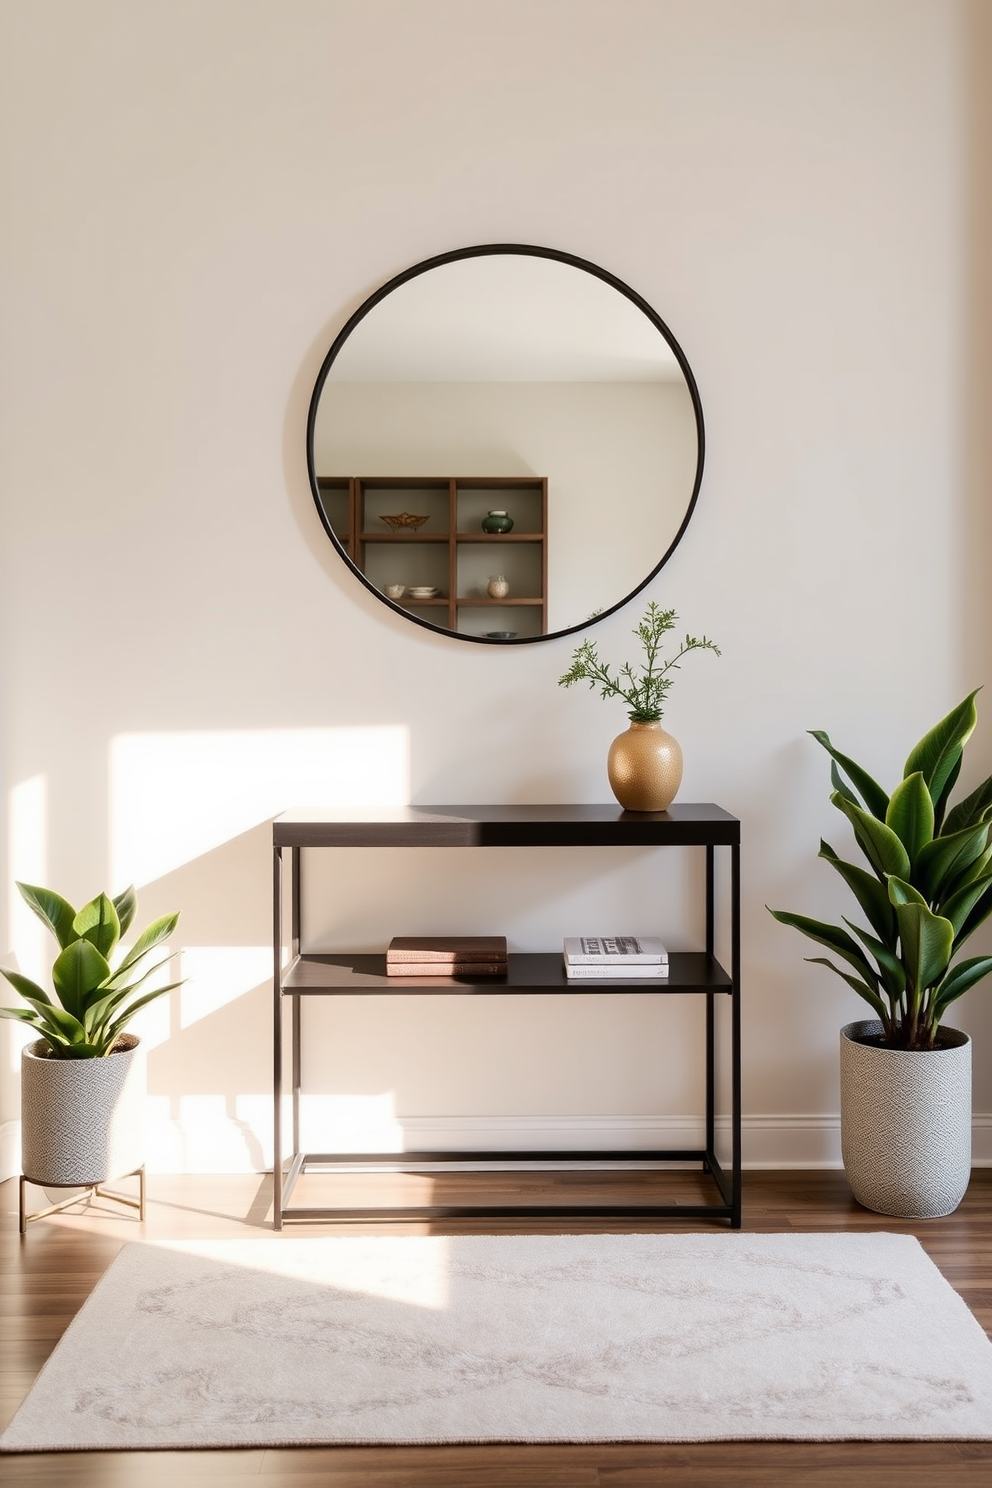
(196, 197)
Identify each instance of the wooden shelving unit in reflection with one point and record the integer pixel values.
(450, 551)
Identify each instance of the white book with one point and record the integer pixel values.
(614, 950)
(618, 971)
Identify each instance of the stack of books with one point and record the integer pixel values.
(588, 957)
(446, 955)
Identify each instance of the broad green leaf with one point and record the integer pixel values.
(892, 970)
(958, 907)
(870, 791)
(926, 941)
(79, 972)
(25, 985)
(840, 784)
(113, 1029)
(879, 843)
(156, 932)
(974, 808)
(65, 1027)
(940, 805)
(942, 861)
(834, 938)
(862, 988)
(910, 814)
(979, 869)
(97, 922)
(940, 749)
(126, 904)
(870, 893)
(901, 892)
(961, 979)
(54, 911)
(976, 917)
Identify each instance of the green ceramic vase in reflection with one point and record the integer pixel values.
(497, 521)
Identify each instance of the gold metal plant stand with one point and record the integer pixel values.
(80, 1191)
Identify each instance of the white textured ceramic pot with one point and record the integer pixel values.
(81, 1119)
(905, 1122)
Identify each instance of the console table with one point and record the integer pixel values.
(696, 973)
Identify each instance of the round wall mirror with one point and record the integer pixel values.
(505, 443)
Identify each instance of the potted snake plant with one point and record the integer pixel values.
(81, 1085)
(905, 1075)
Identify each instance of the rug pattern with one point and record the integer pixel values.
(514, 1338)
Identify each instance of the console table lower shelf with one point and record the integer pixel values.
(693, 974)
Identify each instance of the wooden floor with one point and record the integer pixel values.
(47, 1276)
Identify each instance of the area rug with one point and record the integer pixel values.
(567, 1338)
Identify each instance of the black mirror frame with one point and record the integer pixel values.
(480, 251)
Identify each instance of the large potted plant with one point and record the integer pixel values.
(80, 1081)
(906, 1076)
(644, 764)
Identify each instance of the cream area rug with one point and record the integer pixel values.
(568, 1338)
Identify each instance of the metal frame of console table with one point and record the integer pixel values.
(344, 975)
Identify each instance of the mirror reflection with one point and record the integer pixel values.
(504, 442)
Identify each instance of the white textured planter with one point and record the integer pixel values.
(81, 1119)
(905, 1123)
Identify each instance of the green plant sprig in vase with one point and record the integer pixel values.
(644, 764)
(94, 1001)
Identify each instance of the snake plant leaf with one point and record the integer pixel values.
(870, 892)
(79, 972)
(98, 923)
(926, 941)
(834, 938)
(943, 860)
(937, 753)
(869, 790)
(126, 905)
(893, 973)
(862, 988)
(960, 979)
(974, 808)
(25, 986)
(156, 932)
(910, 814)
(54, 911)
(880, 845)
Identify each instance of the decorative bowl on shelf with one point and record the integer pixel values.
(395, 591)
(423, 591)
(500, 635)
(405, 522)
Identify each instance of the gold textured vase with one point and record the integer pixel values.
(645, 768)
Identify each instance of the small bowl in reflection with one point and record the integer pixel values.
(500, 635)
(395, 591)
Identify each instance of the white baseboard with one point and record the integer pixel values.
(781, 1141)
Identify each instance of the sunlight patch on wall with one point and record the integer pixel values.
(27, 860)
(217, 975)
(176, 796)
(350, 1123)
